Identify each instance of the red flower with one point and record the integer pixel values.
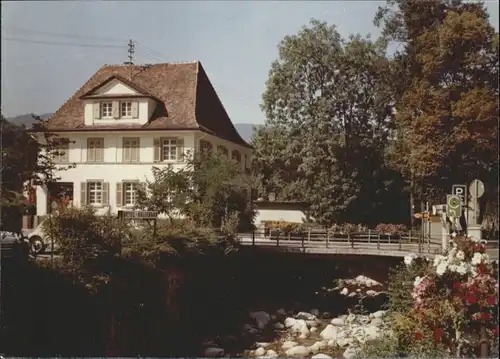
(479, 247)
(485, 316)
(457, 285)
(482, 268)
(418, 335)
(495, 332)
(470, 299)
(438, 333)
(492, 300)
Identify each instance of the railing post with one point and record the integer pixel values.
(327, 239)
(309, 234)
(389, 237)
(253, 237)
(400, 240)
(350, 239)
(303, 247)
(378, 240)
(278, 239)
(484, 344)
(369, 235)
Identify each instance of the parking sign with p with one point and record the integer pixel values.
(460, 190)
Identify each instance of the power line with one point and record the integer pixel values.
(68, 36)
(152, 51)
(146, 50)
(20, 39)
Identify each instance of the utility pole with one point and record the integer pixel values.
(131, 51)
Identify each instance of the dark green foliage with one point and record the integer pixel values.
(328, 108)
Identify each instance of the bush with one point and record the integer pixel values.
(437, 307)
(88, 244)
(391, 229)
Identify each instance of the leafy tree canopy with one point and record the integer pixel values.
(328, 108)
(447, 111)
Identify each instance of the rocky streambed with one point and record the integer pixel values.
(355, 318)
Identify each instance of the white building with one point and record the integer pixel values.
(128, 118)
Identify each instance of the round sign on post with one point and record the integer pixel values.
(476, 188)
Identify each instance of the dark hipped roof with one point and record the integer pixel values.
(187, 100)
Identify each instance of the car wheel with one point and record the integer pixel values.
(36, 245)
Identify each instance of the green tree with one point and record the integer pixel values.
(167, 193)
(27, 159)
(19, 152)
(328, 109)
(220, 192)
(446, 75)
(212, 191)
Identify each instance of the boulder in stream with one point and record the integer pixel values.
(321, 356)
(289, 344)
(259, 352)
(213, 352)
(298, 351)
(330, 332)
(305, 316)
(261, 318)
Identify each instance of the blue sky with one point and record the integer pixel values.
(236, 41)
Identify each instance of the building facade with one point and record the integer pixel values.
(127, 119)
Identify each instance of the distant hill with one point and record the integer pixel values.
(26, 119)
(244, 129)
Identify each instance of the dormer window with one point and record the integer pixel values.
(126, 109)
(106, 109)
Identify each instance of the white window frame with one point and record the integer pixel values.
(127, 106)
(95, 188)
(91, 146)
(171, 144)
(105, 106)
(127, 143)
(134, 186)
(63, 152)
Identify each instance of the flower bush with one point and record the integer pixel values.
(391, 229)
(439, 305)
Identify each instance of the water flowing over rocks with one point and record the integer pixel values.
(315, 334)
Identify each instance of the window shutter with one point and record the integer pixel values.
(126, 150)
(116, 109)
(157, 150)
(97, 110)
(83, 194)
(105, 193)
(135, 109)
(180, 149)
(65, 155)
(135, 151)
(99, 152)
(119, 194)
(90, 152)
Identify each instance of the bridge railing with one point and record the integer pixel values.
(369, 240)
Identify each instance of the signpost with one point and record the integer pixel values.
(453, 205)
(460, 190)
(422, 215)
(476, 190)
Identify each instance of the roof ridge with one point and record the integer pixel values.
(157, 64)
(77, 90)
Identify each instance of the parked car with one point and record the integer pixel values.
(39, 241)
(11, 244)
